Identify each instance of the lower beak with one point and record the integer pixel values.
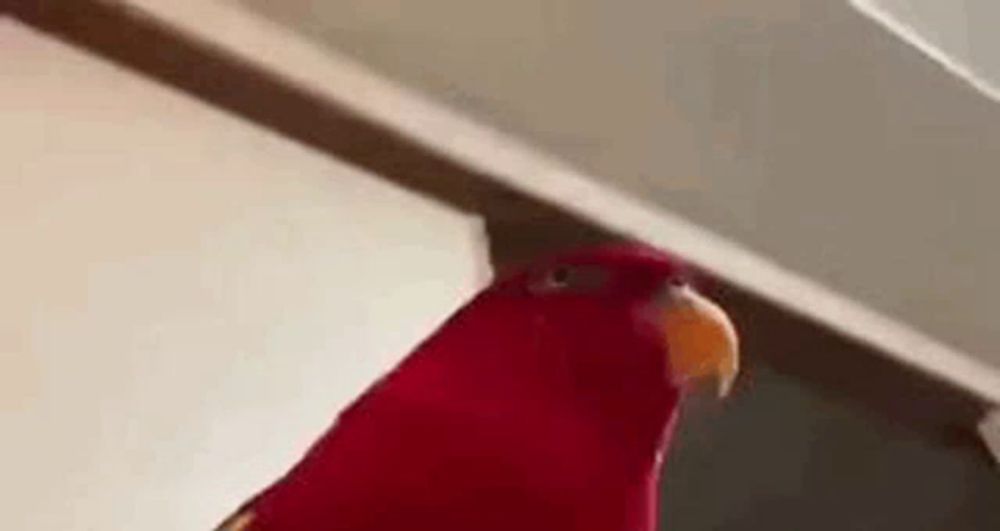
(701, 339)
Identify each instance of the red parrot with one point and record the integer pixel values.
(545, 404)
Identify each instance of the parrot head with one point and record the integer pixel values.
(639, 306)
(545, 403)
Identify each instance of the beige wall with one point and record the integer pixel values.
(186, 298)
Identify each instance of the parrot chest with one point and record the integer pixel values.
(547, 472)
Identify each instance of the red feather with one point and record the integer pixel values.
(545, 404)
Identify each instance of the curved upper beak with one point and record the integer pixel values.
(701, 339)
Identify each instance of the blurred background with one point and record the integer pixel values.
(222, 219)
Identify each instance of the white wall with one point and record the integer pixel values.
(185, 298)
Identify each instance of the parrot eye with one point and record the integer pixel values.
(559, 277)
(570, 278)
(678, 282)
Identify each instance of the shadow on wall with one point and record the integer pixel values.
(823, 434)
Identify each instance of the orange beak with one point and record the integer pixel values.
(702, 340)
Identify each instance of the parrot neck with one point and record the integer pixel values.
(489, 425)
(510, 461)
(503, 394)
(509, 369)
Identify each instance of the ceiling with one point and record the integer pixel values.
(958, 34)
(801, 130)
(798, 150)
